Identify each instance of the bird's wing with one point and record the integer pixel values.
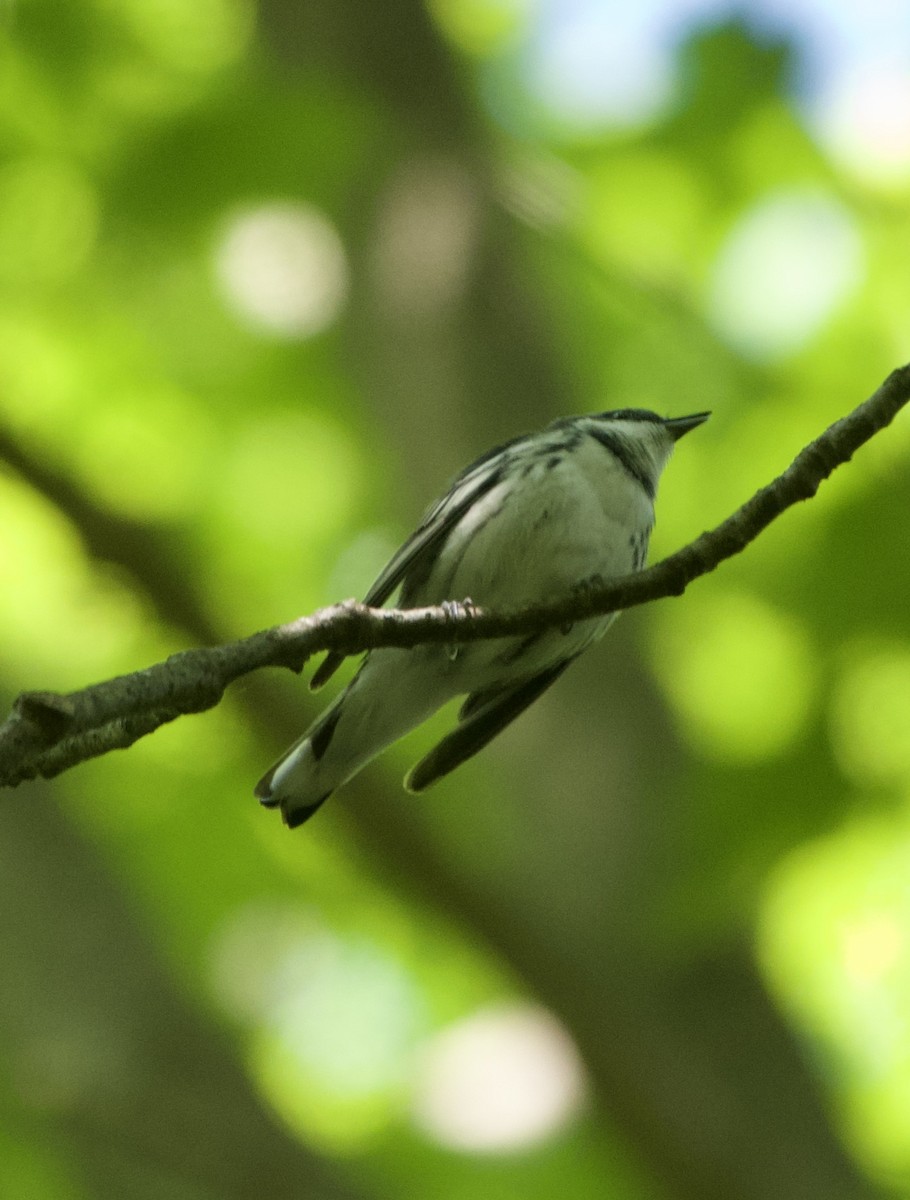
(488, 714)
(420, 550)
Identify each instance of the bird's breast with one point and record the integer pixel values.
(548, 527)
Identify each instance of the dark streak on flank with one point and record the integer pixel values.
(435, 532)
(638, 544)
(320, 738)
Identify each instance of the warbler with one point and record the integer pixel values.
(531, 521)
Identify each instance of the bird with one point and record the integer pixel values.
(535, 519)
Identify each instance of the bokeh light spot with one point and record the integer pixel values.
(644, 211)
(147, 455)
(872, 946)
(48, 221)
(591, 63)
(41, 371)
(283, 269)
(479, 26)
(833, 942)
(197, 38)
(499, 1081)
(336, 1021)
(47, 590)
(865, 120)
(292, 476)
(783, 271)
(739, 672)
(870, 717)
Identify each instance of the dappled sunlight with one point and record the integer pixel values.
(499, 1081)
(48, 590)
(835, 942)
(292, 483)
(148, 453)
(481, 26)
(589, 62)
(345, 1013)
(43, 373)
(866, 123)
(739, 673)
(48, 221)
(292, 475)
(646, 210)
(196, 38)
(283, 269)
(342, 1039)
(248, 952)
(870, 715)
(783, 272)
(873, 946)
(335, 1021)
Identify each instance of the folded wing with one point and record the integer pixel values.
(414, 560)
(484, 715)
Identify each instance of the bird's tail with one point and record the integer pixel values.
(294, 782)
(382, 702)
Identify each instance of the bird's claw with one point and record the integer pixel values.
(456, 610)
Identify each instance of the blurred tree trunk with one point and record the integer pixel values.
(157, 1107)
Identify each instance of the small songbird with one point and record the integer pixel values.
(530, 522)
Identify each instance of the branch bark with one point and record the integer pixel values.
(47, 733)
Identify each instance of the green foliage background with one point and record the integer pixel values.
(694, 852)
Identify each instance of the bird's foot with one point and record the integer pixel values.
(457, 610)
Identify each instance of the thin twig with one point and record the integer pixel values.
(48, 733)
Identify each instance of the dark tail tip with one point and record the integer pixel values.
(295, 817)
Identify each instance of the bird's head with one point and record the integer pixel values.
(642, 440)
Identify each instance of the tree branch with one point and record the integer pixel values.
(48, 733)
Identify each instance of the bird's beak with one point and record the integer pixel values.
(680, 425)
